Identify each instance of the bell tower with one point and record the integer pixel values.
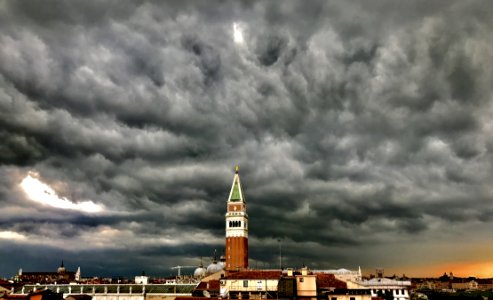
(236, 227)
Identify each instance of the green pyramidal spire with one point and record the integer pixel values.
(236, 194)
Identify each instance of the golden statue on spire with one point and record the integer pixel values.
(237, 169)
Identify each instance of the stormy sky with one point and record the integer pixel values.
(362, 129)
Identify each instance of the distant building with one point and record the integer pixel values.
(141, 279)
(468, 284)
(451, 284)
(343, 274)
(60, 276)
(485, 284)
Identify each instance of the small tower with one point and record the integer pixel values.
(78, 275)
(236, 227)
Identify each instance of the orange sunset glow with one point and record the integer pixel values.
(465, 269)
(481, 269)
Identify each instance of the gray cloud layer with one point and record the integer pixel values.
(362, 129)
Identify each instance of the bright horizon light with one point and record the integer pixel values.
(42, 193)
(11, 235)
(237, 34)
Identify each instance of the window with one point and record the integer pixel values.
(333, 298)
(352, 298)
(245, 283)
(302, 279)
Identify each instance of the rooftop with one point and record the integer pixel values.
(384, 282)
(255, 275)
(329, 281)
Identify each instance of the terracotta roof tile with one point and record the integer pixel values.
(329, 281)
(214, 285)
(255, 275)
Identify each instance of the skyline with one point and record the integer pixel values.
(362, 130)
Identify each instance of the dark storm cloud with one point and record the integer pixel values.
(356, 125)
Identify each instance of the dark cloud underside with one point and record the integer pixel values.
(357, 125)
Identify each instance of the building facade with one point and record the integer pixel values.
(307, 285)
(236, 227)
(343, 274)
(60, 276)
(116, 291)
(259, 284)
(384, 288)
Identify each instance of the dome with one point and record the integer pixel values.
(61, 269)
(214, 268)
(222, 261)
(199, 272)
